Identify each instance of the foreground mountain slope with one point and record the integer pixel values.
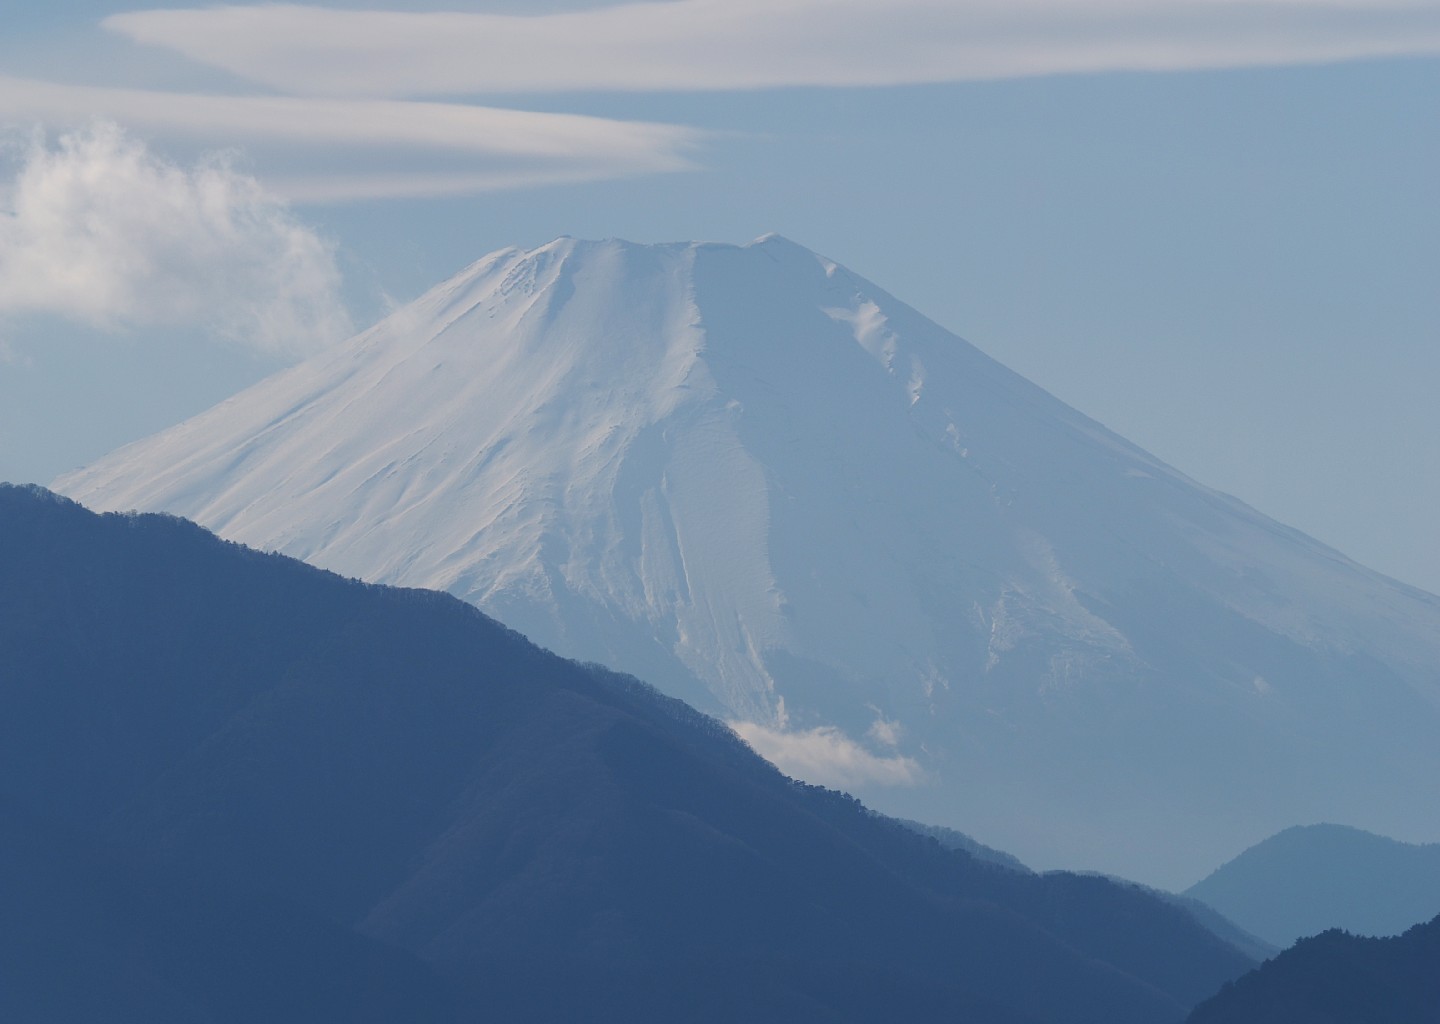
(1312, 878)
(91, 933)
(769, 487)
(557, 842)
(1337, 978)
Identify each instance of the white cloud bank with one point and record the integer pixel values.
(741, 44)
(828, 757)
(96, 228)
(369, 149)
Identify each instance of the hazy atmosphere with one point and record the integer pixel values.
(720, 511)
(1211, 226)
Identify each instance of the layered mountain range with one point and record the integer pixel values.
(235, 788)
(763, 484)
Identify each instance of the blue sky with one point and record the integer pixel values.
(1211, 225)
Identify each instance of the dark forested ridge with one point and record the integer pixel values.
(953, 840)
(1338, 978)
(232, 785)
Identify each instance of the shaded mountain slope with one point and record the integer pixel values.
(1312, 878)
(1208, 917)
(553, 839)
(765, 485)
(89, 933)
(1338, 978)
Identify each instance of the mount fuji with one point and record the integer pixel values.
(761, 483)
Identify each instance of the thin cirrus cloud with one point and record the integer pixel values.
(99, 229)
(372, 149)
(748, 44)
(826, 756)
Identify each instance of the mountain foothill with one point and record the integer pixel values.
(237, 788)
(1338, 978)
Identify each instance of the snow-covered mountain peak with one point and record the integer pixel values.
(761, 482)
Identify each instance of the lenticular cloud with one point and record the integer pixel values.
(103, 231)
(758, 44)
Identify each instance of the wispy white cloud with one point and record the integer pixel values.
(374, 148)
(98, 229)
(885, 731)
(828, 757)
(740, 44)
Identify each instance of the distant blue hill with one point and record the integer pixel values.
(1310, 878)
(234, 789)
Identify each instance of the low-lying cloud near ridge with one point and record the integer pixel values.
(746, 44)
(97, 229)
(827, 756)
